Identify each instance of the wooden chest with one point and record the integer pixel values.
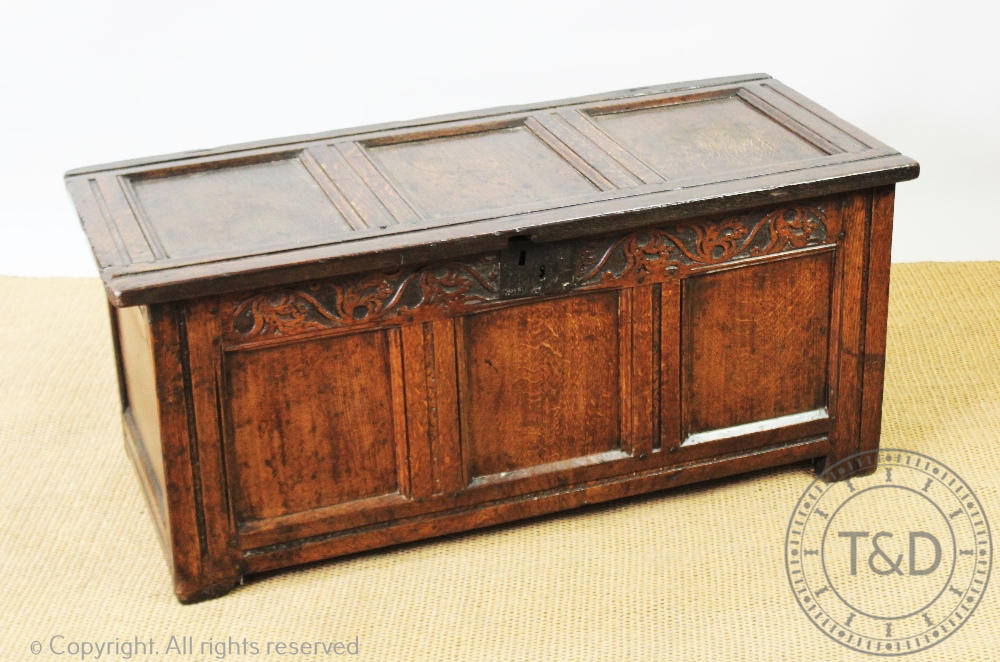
(343, 341)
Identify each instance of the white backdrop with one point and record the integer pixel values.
(89, 82)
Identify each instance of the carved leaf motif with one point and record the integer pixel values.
(366, 299)
(280, 313)
(705, 243)
(791, 227)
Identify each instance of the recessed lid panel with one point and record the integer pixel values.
(704, 137)
(479, 172)
(231, 218)
(242, 208)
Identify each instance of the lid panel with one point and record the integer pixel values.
(713, 136)
(238, 208)
(479, 172)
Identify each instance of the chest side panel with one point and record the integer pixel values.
(139, 401)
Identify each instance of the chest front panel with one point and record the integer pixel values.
(345, 402)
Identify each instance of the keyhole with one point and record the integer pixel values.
(521, 257)
(541, 272)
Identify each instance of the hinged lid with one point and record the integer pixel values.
(244, 216)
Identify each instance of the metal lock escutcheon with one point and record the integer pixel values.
(529, 268)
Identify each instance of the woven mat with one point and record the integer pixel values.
(694, 573)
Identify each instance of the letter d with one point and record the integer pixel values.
(913, 553)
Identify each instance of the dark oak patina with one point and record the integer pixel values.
(337, 342)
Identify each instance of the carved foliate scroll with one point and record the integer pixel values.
(668, 250)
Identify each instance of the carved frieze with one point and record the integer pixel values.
(372, 297)
(668, 250)
(457, 286)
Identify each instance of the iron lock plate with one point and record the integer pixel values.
(530, 269)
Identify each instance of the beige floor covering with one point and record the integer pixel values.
(697, 573)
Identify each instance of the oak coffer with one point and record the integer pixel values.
(342, 341)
